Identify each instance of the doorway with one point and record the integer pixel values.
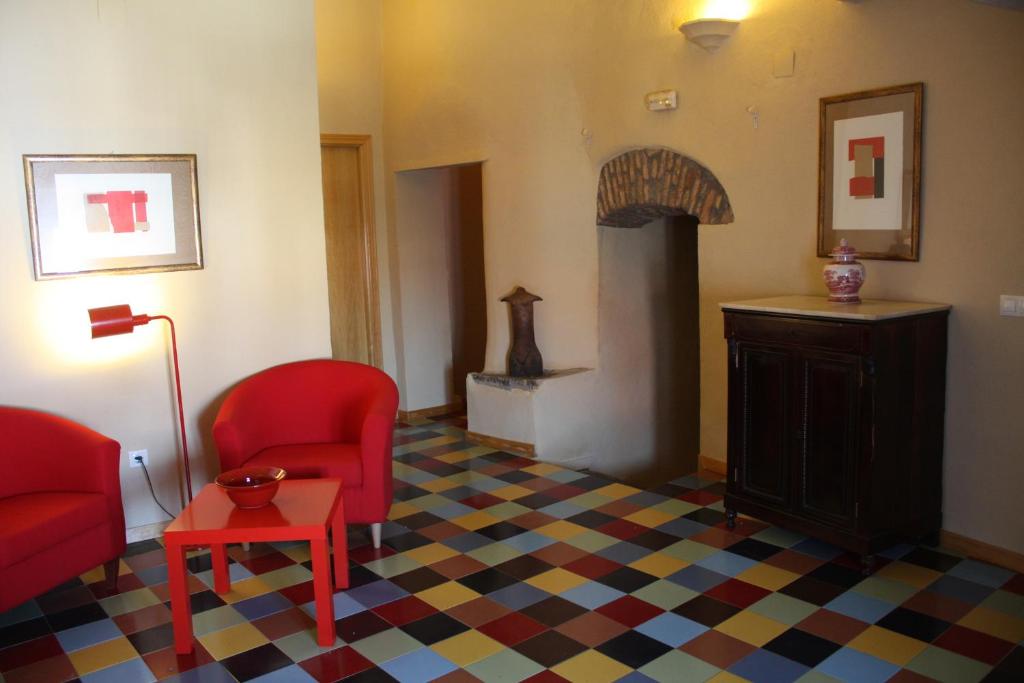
(443, 311)
(466, 289)
(350, 236)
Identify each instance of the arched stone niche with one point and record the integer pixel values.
(641, 185)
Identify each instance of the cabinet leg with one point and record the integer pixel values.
(867, 564)
(730, 519)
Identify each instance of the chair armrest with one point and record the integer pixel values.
(375, 442)
(98, 464)
(232, 446)
(245, 423)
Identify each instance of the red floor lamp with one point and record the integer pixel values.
(108, 321)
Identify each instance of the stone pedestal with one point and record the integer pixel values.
(550, 413)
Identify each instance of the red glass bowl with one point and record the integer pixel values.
(251, 487)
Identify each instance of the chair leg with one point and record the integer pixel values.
(110, 572)
(375, 533)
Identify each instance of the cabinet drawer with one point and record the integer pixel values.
(832, 336)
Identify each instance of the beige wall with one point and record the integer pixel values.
(348, 57)
(461, 86)
(515, 83)
(234, 83)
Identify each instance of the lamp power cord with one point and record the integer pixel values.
(145, 471)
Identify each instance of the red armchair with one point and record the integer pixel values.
(60, 503)
(317, 418)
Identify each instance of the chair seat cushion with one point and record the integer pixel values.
(304, 461)
(32, 522)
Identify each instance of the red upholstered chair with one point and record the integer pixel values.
(60, 503)
(317, 418)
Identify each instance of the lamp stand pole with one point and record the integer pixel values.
(181, 409)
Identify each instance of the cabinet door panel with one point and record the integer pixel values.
(764, 376)
(829, 424)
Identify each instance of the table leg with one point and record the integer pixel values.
(323, 592)
(181, 605)
(221, 577)
(339, 533)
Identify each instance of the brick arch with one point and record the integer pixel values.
(640, 185)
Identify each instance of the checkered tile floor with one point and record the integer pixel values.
(497, 568)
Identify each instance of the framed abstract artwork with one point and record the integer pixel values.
(116, 213)
(869, 172)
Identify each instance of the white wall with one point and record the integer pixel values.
(423, 219)
(231, 81)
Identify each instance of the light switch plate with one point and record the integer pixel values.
(1011, 305)
(661, 100)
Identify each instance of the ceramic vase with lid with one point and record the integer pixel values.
(844, 275)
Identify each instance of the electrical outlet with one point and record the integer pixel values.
(138, 458)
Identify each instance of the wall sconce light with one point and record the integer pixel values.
(111, 320)
(708, 33)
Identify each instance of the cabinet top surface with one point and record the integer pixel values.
(820, 307)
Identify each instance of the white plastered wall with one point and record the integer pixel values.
(233, 82)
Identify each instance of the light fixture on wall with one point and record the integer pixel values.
(708, 33)
(108, 321)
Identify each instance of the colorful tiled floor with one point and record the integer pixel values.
(497, 568)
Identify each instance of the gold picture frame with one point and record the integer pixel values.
(869, 172)
(92, 214)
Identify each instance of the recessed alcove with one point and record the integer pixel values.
(636, 415)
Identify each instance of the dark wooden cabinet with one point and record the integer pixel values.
(836, 418)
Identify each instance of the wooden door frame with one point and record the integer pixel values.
(362, 144)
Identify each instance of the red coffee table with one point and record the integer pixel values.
(302, 510)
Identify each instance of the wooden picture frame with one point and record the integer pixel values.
(869, 172)
(93, 214)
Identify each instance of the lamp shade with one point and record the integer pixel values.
(107, 321)
(110, 320)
